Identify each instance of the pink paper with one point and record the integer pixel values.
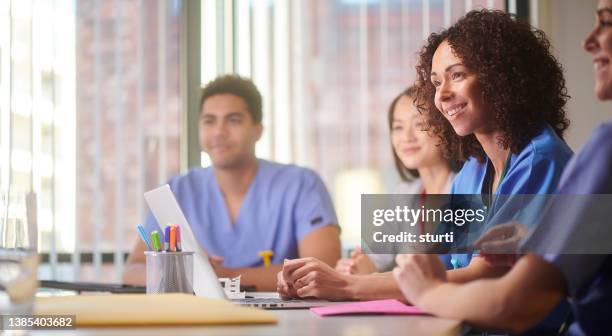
(390, 307)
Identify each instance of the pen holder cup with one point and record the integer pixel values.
(169, 272)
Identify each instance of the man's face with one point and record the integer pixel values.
(227, 131)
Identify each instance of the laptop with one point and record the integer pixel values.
(166, 209)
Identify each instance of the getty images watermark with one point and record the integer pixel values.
(414, 223)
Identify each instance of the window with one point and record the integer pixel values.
(91, 118)
(327, 70)
(91, 114)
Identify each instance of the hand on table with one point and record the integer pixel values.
(499, 245)
(284, 288)
(358, 263)
(417, 273)
(310, 277)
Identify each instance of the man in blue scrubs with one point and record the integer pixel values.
(242, 206)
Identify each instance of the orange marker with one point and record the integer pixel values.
(172, 238)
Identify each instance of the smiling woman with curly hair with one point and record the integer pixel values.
(517, 80)
(491, 91)
(495, 95)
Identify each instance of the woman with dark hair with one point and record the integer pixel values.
(491, 90)
(543, 277)
(417, 154)
(420, 163)
(493, 93)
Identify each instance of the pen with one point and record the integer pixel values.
(156, 241)
(172, 238)
(167, 238)
(143, 235)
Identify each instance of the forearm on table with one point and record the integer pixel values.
(513, 302)
(475, 303)
(263, 278)
(135, 269)
(375, 286)
(135, 274)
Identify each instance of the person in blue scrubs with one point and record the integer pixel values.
(421, 166)
(536, 169)
(242, 206)
(509, 131)
(417, 155)
(540, 279)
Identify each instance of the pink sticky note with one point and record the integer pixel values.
(390, 307)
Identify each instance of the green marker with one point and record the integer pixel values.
(156, 241)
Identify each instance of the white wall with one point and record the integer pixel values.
(567, 24)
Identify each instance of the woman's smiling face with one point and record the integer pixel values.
(458, 96)
(599, 45)
(414, 146)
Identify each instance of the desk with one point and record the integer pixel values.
(296, 322)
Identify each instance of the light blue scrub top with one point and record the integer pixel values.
(535, 170)
(588, 276)
(283, 204)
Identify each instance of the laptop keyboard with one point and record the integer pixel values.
(268, 302)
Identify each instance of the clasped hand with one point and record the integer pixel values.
(311, 278)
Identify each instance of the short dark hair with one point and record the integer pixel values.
(238, 86)
(405, 173)
(520, 79)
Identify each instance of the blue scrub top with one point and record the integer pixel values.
(536, 169)
(588, 276)
(283, 204)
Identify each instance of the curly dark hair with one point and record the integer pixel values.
(238, 86)
(519, 79)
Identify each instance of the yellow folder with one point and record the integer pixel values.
(141, 309)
